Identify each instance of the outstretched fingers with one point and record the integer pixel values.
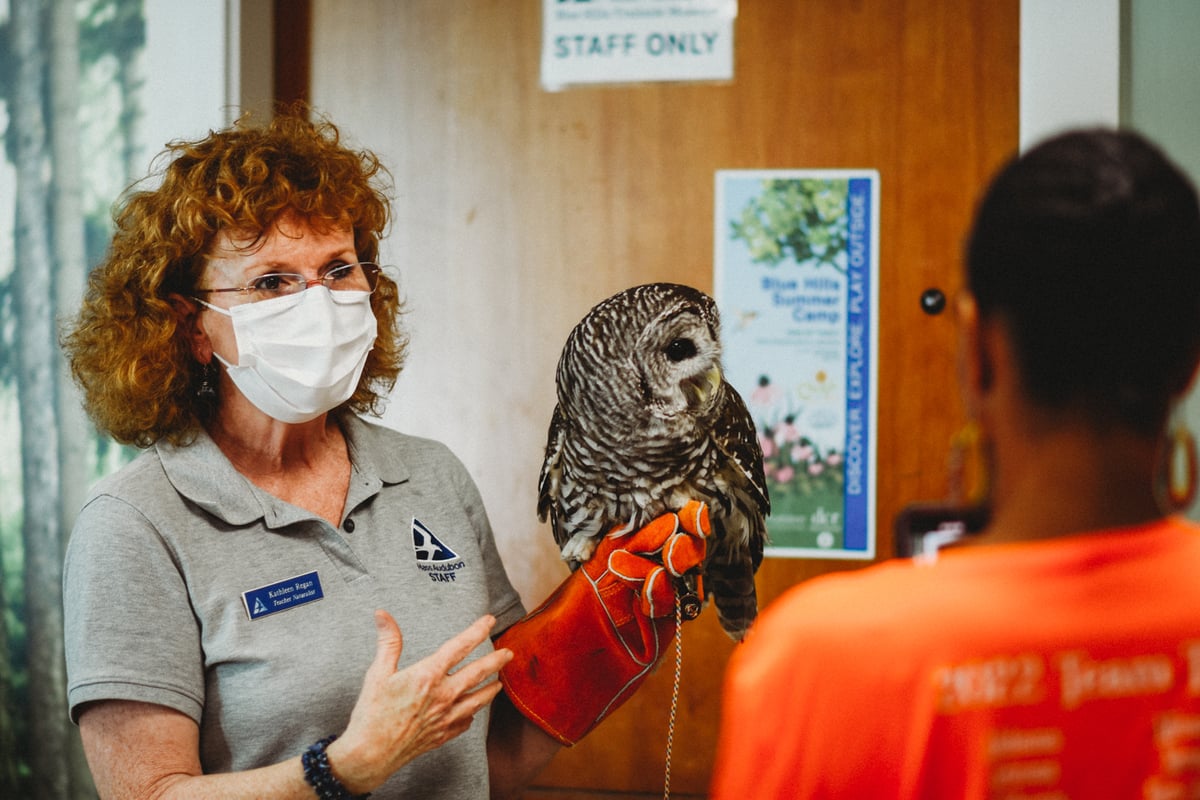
(462, 678)
(402, 713)
(454, 691)
(461, 645)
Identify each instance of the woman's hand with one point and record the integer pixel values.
(401, 714)
(141, 750)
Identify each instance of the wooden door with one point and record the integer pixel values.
(518, 209)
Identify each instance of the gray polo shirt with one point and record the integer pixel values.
(187, 586)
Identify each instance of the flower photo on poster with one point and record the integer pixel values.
(796, 275)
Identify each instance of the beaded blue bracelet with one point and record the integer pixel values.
(319, 776)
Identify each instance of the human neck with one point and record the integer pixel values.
(1070, 479)
(259, 446)
(306, 465)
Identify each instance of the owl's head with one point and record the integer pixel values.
(647, 356)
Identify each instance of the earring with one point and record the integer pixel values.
(1177, 479)
(970, 466)
(208, 375)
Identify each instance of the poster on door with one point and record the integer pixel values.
(796, 276)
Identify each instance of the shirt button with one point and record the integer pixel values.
(348, 526)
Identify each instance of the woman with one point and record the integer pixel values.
(217, 588)
(1056, 654)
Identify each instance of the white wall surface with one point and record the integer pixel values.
(1070, 65)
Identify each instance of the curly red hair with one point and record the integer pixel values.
(127, 348)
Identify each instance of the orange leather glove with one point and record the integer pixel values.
(584, 651)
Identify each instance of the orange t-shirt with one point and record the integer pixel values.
(1068, 668)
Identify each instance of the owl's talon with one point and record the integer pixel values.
(579, 548)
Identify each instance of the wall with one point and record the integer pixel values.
(1070, 65)
(1161, 92)
(1160, 96)
(170, 113)
(518, 209)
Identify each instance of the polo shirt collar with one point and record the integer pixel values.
(201, 473)
(368, 453)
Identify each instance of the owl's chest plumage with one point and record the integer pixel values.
(634, 484)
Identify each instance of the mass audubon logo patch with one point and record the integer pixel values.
(434, 558)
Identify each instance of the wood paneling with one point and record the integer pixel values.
(291, 39)
(518, 209)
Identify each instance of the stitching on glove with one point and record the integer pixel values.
(616, 624)
(648, 591)
(623, 530)
(622, 575)
(669, 555)
(544, 723)
(619, 697)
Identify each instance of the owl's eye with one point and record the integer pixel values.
(680, 349)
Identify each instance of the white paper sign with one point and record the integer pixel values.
(622, 41)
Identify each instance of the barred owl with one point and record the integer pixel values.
(645, 421)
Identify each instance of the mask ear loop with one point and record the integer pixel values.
(1176, 483)
(211, 307)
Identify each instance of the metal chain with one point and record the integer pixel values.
(674, 691)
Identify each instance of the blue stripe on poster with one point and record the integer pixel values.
(858, 371)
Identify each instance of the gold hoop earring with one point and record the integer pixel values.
(1178, 471)
(970, 465)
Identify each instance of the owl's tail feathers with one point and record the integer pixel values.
(734, 595)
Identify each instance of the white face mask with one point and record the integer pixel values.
(302, 354)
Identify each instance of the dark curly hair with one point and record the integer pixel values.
(1089, 247)
(126, 347)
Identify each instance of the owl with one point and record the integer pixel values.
(645, 421)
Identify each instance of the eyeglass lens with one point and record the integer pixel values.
(346, 278)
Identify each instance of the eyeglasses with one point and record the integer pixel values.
(358, 277)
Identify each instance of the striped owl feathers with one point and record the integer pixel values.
(645, 421)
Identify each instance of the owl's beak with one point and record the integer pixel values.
(701, 388)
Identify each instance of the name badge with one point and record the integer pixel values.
(283, 595)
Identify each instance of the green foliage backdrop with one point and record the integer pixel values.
(801, 220)
(69, 86)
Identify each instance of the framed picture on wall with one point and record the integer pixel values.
(796, 279)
